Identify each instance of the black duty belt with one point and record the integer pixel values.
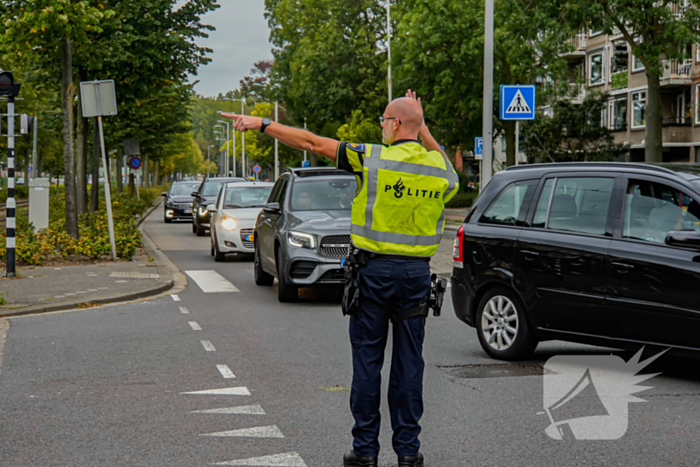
(399, 257)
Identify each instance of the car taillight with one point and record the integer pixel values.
(458, 257)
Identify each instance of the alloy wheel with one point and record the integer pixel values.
(500, 323)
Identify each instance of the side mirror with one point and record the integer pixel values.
(165, 193)
(211, 208)
(684, 239)
(194, 194)
(272, 208)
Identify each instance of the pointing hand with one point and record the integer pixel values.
(244, 122)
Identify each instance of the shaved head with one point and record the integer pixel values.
(408, 111)
(406, 118)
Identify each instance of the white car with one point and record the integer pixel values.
(233, 217)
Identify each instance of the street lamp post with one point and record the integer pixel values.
(487, 121)
(243, 161)
(228, 138)
(222, 162)
(209, 157)
(388, 41)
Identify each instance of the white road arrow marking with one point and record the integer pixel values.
(288, 459)
(240, 410)
(225, 371)
(239, 391)
(208, 346)
(211, 281)
(258, 432)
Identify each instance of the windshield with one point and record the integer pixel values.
(212, 187)
(247, 197)
(323, 195)
(183, 189)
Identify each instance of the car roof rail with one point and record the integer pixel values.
(620, 165)
(316, 171)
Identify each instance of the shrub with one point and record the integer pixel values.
(463, 200)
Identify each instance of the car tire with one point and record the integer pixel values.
(200, 231)
(502, 326)
(194, 227)
(261, 277)
(286, 292)
(219, 257)
(166, 220)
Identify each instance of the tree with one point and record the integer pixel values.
(656, 31)
(572, 134)
(46, 32)
(256, 86)
(360, 130)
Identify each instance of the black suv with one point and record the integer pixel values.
(205, 196)
(598, 253)
(302, 235)
(178, 201)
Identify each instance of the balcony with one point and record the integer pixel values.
(677, 121)
(576, 93)
(677, 73)
(679, 7)
(578, 45)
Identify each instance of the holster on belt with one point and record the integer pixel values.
(351, 270)
(438, 286)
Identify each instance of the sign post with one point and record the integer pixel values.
(99, 98)
(256, 170)
(479, 156)
(517, 103)
(10, 89)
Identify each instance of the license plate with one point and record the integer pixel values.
(250, 238)
(188, 211)
(342, 262)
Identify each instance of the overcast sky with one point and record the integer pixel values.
(241, 39)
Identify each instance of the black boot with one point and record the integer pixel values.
(350, 459)
(411, 461)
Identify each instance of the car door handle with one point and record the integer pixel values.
(529, 255)
(622, 268)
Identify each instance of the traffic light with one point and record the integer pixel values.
(8, 87)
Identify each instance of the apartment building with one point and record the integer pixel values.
(605, 63)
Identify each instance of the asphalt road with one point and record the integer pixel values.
(105, 386)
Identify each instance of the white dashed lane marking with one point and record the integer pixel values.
(239, 391)
(288, 459)
(195, 326)
(258, 432)
(240, 410)
(208, 346)
(212, 282)
(225, 371)
(176, 297)
(184, 310)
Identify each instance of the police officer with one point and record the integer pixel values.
(397, 223)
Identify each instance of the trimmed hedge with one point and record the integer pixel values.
(463, 200)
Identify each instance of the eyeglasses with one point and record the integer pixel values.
(383, 119)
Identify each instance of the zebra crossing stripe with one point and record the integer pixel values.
(257, 432)
(240, 410)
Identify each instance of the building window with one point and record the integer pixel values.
(637, 64)
(639, 105)
(697, 52)
(596, 73)
(620, 58)
(596, 33)
(618, 114)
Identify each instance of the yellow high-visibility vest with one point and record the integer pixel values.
(399, 208)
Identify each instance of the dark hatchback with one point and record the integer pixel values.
(597, 253)
(178, 201)
(206, 195)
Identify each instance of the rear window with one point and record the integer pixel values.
(334, 194)
(510, 207)
(575, 204)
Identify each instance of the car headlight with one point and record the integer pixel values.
(228, 223)
(302, 240)
(202, 211)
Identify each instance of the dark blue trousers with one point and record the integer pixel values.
(388, 286)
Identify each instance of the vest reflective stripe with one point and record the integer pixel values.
(366, 237)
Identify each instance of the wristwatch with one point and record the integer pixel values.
(265, 123)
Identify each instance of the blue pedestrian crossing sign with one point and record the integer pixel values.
(517, 102)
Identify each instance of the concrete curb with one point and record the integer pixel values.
(158, 288)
